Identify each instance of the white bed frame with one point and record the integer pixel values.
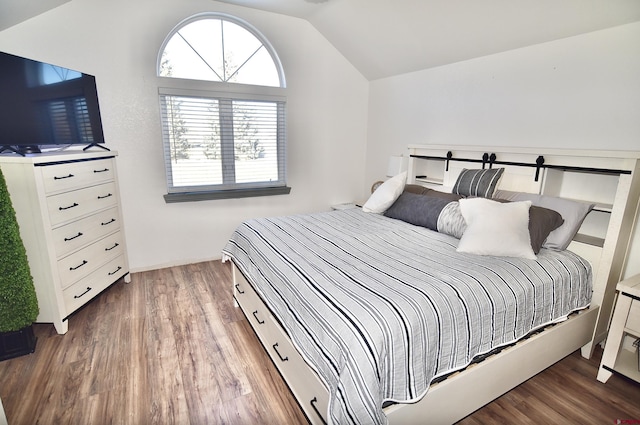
(603, 240)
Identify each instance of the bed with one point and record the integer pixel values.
(372, 318)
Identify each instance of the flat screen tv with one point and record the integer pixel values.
(46, 106)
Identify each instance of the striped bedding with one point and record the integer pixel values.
(379, 307)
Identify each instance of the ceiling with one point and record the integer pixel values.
(382, 38)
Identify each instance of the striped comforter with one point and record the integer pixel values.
(379, 307)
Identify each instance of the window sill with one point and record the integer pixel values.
(225, 194)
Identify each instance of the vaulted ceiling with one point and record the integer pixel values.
(390, 37)
(382, 38)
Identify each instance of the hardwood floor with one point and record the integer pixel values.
(170, 348)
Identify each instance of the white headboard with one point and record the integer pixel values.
(611, 179)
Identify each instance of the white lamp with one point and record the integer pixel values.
(397, 164)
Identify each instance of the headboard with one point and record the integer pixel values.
(610, 179)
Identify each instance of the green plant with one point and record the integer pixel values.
(18, 301)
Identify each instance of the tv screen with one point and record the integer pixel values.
(42, 105)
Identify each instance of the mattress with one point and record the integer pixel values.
(379, 308)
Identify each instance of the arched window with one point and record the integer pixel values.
(223, 110)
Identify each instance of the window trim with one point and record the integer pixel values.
(203, 88)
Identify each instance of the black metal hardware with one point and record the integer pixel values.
(240, 291)
(108, 222)
(315, 409)
(105, 196)
(539, 164)
(78, 296)
(66, 208)
(113, 247)
(255, 314)
(492, 160)
(73, 237)
(275, 348)
(77, 267)
(100, 171)
(115, 271)
(63, 177)
(485, 159)
(592, 170)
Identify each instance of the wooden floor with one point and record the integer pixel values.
(170, 348)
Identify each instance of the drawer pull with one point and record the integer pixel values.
(73, 237)
(101, 171)
(105, 196)
(240, 291)
(255, 314)
(77, 267)
(63, 177)
(108, 222)
(114, 246)
(70, 206)
(315, 409)
(275, 348)
(79, 296)
(115, 271)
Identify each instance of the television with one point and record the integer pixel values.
(46, 107)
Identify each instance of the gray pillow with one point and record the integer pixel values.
(480, 183)
(417, 209)
(573, 213)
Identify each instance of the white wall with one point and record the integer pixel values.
(118, 42)
(579, 92)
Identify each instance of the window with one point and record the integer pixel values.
(222, 110)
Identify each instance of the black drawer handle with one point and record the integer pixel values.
(240, 291)
(77, 267)
(255, 314)
(275, 348)
(101, 171)
(63, 177)
(115, 271)
(66, 208)
(73, 237)
(315, 409)
(108, 222)
(113, 247)
(105, 196)
(79, 296)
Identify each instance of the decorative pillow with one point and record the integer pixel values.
(451, 221)
(495, 228)
(421, 190)
(480, 183)
(542, 221)
(573, 213)
(417, 209)
(386, 194)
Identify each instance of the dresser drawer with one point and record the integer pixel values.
(81, 263)
(72, 205)
(84, 231)
(82, 291)
(74, 175)
(633, 319)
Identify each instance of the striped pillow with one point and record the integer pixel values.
(480, 183)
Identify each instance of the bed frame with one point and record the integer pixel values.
(611, 179)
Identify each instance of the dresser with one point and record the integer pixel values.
(68, 208)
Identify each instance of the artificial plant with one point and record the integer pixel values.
(18, 301)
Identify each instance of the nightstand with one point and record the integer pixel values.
(345, 206)
(625, 322)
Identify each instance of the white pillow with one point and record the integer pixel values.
(386, 194)
(495, 228)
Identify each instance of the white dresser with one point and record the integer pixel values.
(68, 208)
